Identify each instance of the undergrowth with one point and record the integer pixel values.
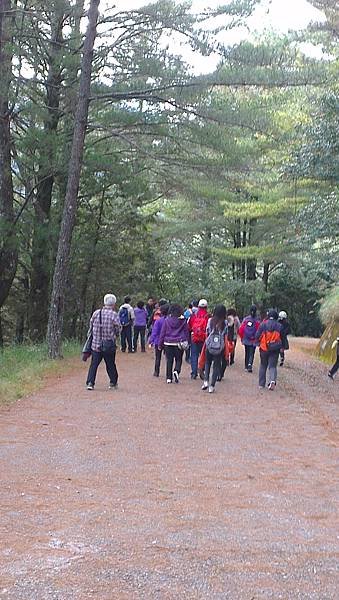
(24, 367)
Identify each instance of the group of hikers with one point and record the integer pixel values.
(207, 340)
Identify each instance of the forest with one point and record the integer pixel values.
(122, 169)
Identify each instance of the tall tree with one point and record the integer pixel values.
(55, 321)
(8, 249)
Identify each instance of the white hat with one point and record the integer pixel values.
(282, 315)
(202, 303)
(110, 300)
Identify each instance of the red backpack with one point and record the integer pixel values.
(199, 327)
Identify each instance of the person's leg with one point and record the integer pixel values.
(178, 359)
(246, 356)
(123, 339)
(129, 337)
(251, 351)
(157, 361)
(232, 357)
(216, 369)
(334, 368)
(273, 358)
(169, 362)
(111, 368)
(135, 338)
(208, 364)
(143, 339)
(92, 371)
(263, 368)
(223, 366)
(194, 359)
(282, 356)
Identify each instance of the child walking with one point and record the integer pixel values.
(174, 338)
(335, 367)
(154, 339)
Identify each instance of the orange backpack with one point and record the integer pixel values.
(270, 341)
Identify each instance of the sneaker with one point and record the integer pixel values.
(193, 376)
(271, 385)
(155, 374)
(330, 375)
(281, 364)
(211, 389)
(204, 386)
(113, 386)
(176, 376)
(249, 369)
(168, 380)
(90, 386)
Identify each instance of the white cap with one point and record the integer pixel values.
(202, 303)
(282, 315)
(110, 300)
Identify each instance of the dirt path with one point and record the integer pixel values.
(164, 492)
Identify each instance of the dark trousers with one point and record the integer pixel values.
(232, 355)
(249, 356)
(282, 356)
(157, 361)
(216, 360)
(109, 358)
(335, 367)
(139, 330)
(268, 360)
(126, 338)
(173, 355)
(195, 353)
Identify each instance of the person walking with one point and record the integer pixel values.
(286, 329)
(216, 345)
(335, 367)
(197, 325)
(269, 338)
(247, 332)
(233, 330)
(127, 317)
(140, 323)
(174, 338)
(104, 326)
(154, 339)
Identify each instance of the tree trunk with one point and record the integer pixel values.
(55, 322)
(8, 250)
(40, 262)
(251, 267)
(266, 274)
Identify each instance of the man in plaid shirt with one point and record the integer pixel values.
(105, 326)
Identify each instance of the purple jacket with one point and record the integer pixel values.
(156, 330)
(140, 317)
(173, 331)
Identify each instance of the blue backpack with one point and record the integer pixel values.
(250, 330)
(124, 316)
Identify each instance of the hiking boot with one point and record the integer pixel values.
(176, 376)
(90, 386)
(271, 385)
(168, 380)
(113, 386)
(204, 386)
(211, 389)
(155, 374)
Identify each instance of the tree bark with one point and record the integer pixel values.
(55, 322)
(8, 249)
(40, 261)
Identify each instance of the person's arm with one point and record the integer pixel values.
(162, 335)
(259, 333)
(155, 332)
